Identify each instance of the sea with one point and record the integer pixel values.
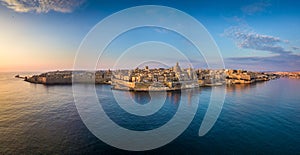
(260, 118)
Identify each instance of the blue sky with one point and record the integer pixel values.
(45, 35)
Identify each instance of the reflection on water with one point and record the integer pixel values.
(172, 96)
(140, 97)
(244, 87)
(263, 117)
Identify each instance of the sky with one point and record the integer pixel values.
(43, 35)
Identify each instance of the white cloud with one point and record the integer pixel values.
(255, 8)
(42, 6)
(245, 37)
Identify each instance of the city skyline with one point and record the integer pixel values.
(251, 35)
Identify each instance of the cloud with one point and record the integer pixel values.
(245, 37)
(289, 62)
(42, 6)
(255, 8)
(295, 48)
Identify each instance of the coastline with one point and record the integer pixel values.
(172, 79)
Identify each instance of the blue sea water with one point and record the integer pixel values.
(261, 118)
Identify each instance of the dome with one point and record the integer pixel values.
(177, 68)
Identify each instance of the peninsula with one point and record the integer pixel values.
(157, 79)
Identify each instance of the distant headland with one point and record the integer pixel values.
(157, 79)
